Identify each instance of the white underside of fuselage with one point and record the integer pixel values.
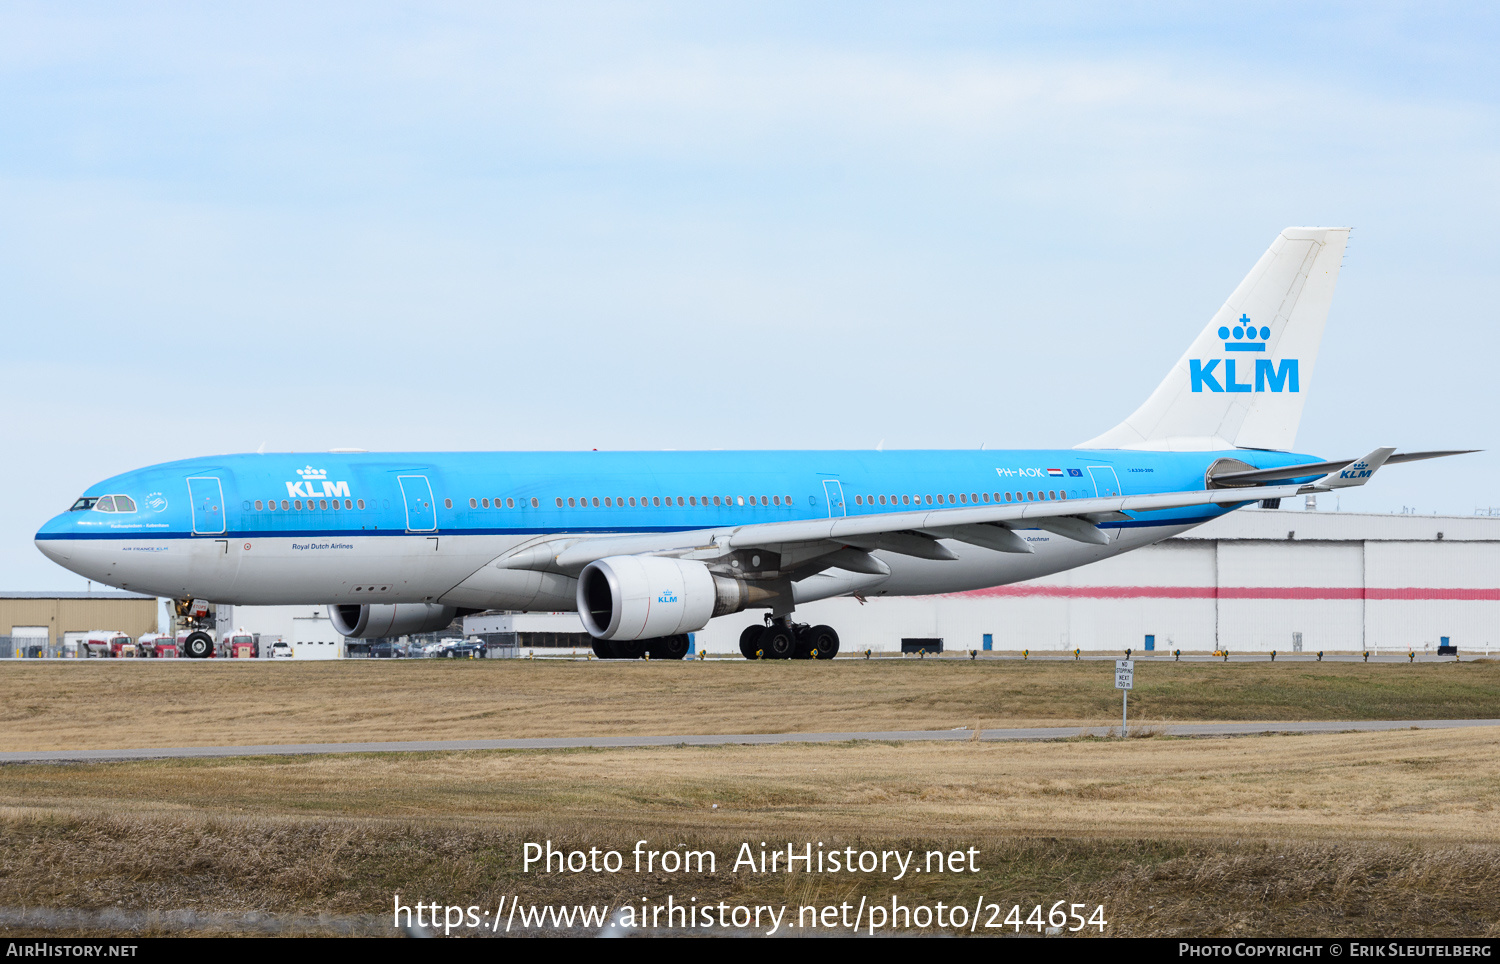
(459, 570)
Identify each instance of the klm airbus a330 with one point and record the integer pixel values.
(649, 546)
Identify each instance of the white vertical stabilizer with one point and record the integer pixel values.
(1243, 381)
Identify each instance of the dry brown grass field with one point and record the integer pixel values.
(106, 703)
(1390, 833)
(1355, 833)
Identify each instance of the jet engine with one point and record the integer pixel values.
(644, 597)
(400, 619)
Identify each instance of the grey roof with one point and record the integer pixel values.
(1346, 527)
(72, 595)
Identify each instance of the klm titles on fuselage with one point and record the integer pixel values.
(315, 484)
(1270, 375)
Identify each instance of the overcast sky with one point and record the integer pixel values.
(646, 226)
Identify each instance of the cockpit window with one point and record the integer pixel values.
(84, 504)
(105, 504)
(124, 503)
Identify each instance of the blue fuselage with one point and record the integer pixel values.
(293, 528)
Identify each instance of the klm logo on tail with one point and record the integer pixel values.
(1269, 375)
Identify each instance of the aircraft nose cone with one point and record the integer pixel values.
(52, 547)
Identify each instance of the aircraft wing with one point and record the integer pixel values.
(916, 532)
(913, 532)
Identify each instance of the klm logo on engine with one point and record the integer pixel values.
(315, 483)
(667, 596)
(1268, 376)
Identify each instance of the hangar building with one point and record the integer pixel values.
(35, 622)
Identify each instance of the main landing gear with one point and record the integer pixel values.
(662, 647)
(781, 638)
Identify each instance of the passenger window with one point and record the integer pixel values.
(716, 500)
(632, 501)
(283, 505)
(348, 504)
(656, 501)
(596, 502)
(609, 502)
(571, 502)
(692, 500)
(511, 503)
(986, 497)
(473, 503)
(929, 500)
(447, 503)
(859, 500)
(788, 499)
(322, 504)
(533, 503)
(1051, 494)
(361, 503)
(741, 500)
(752, 500)
(559, 502)
(681, 500)
(335, 504)
(297, 504)
(257, 505)
(1063, 494)
(776, 500)
(1007, 497)
(485, 503)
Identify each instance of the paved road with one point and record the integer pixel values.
(607, 742)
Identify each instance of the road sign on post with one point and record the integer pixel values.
(1124, 682)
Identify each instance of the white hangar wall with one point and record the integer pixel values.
(1245, 582)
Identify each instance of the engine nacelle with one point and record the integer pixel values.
(400, 619)
(643, 597)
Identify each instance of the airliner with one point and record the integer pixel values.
(649, 546)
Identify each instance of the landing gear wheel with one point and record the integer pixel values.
(750, 641)
(668, 647)
(198, 646)
(603, 649)
(804, 648)
(629, 648)
(777, 642)
(825, 642)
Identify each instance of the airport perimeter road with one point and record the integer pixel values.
(606, 742)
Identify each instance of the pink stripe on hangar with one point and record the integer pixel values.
(1229, 592)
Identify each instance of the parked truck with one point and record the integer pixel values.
(106, 643)
(157, 646)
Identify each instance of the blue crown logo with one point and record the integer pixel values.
(1247, 337)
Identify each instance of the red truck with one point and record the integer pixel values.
(157, 646)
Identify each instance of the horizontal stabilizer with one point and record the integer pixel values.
(1357, 472)
(1310, 469)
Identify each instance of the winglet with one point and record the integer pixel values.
(1357, 472)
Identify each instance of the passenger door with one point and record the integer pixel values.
(206, 496)
(416, 493)
(1106, 483)
(834, 491)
